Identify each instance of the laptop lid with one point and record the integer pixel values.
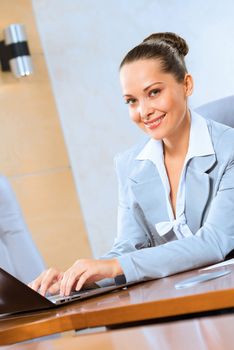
(17, 297)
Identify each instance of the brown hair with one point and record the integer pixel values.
(168, 47)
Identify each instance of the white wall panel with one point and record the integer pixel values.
(84, 42)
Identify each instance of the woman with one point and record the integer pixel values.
(176, 195)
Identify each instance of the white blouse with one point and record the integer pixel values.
(153, 151)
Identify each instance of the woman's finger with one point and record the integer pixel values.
(54, 289)
(35, 284)
(83, 278)
(49, 278)
(69, 279)
(72, 278)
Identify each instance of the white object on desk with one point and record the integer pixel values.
(203, 277)
(224, 263)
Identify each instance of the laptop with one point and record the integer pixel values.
(17, 297)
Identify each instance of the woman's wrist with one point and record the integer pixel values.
(117, 269)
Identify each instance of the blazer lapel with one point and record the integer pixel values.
(197, 190)
(149, 192)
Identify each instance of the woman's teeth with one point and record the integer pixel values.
(155, 123)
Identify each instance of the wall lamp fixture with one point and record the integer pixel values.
(14, 51)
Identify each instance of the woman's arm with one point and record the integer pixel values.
(211, 243)
(130, 237)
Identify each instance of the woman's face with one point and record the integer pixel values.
(157, 102)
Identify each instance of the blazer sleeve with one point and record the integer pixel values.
(210, 244)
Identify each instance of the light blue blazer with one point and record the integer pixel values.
(18, 253)
(209, 210)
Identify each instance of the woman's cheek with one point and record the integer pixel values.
(135, 117)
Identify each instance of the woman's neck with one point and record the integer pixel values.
(177, 144)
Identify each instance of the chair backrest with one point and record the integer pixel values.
(221, 110)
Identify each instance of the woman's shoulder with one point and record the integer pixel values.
(222, 137)
(128, 157)
(218, 127)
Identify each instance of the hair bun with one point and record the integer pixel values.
(171, 39)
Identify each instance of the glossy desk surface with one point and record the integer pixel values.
(145, 301)
(208, 333)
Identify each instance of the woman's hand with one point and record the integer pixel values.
(82, 272)
(47, 281)
(87, 271)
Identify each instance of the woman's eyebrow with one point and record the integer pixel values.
(127, 95)
(155, 83)
(146, 88)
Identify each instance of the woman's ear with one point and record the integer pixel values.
(188, 84)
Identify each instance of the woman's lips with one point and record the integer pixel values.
(154, 123)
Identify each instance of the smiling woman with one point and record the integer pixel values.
(155, 91)
(176, 192)
(156, 85)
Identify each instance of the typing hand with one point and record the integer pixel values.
(47, 281)
(87, 271)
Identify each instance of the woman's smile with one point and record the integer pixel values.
(155, 122)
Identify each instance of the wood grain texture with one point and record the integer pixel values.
(146, 301)
(209, 333)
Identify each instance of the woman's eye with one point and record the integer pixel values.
(130, 101)
(154, 92)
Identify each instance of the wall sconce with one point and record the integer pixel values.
(14, 51)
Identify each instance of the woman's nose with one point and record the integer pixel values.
(145, 110)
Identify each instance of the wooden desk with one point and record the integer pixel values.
(141, 302)
(214, 333)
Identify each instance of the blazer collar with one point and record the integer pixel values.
(149, 192)
(147, 184)
(200, 143)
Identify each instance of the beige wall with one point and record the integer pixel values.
(33, 154)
